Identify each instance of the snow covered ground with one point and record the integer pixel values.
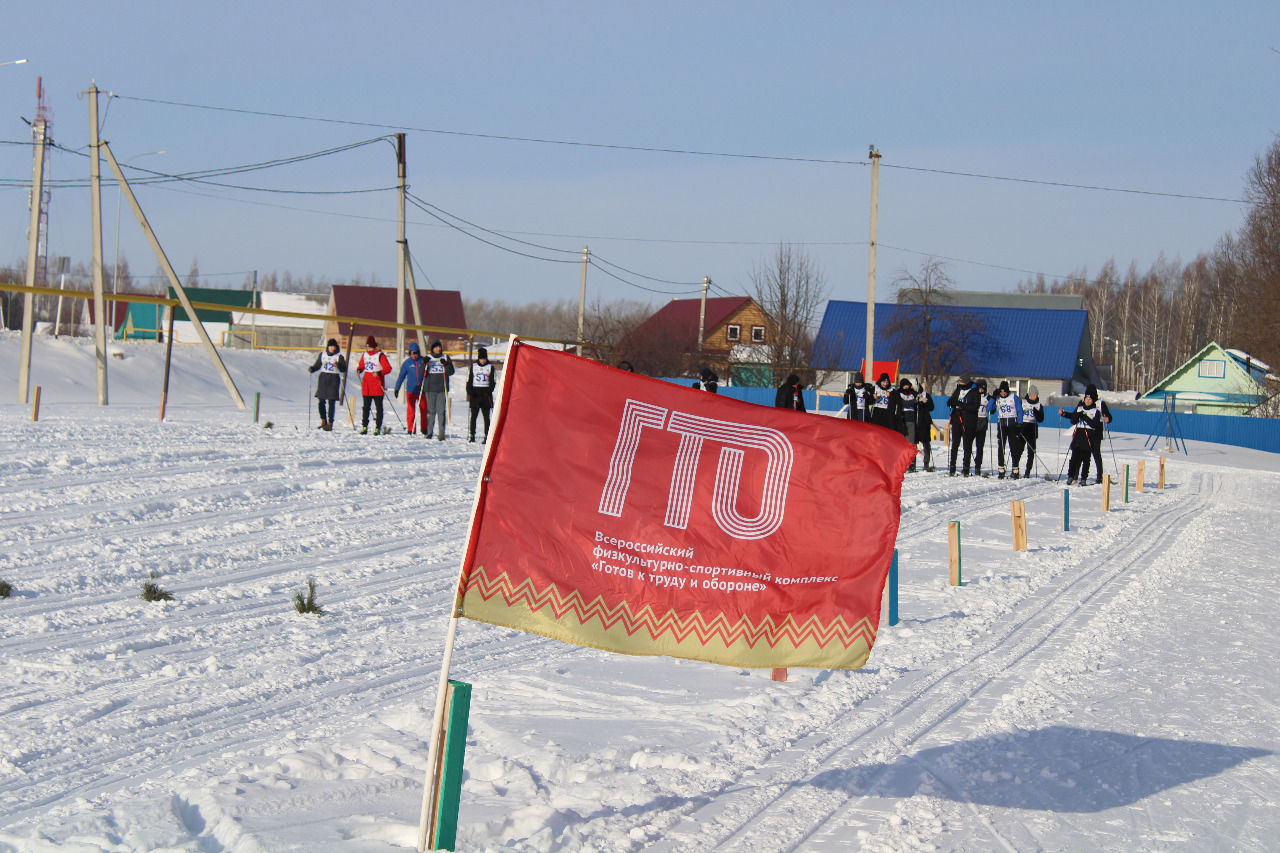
(1114, 687)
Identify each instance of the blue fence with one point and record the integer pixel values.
(1254, 433)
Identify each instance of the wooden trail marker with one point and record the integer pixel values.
(953, 541)
(946, 436)
(168, 357)
(1142, 474)
(1106, 493)
(893, 589)
(1018, 510)
(779, 673)
(35, 405)
(1066, 510)
(1126, 483)
(1162, 473)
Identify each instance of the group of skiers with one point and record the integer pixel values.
(1017, 425)
(425, 381)
(906, 408)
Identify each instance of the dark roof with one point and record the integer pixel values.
(678, 319)
(1030, 342)
(215, 296)
(438, 307)
(1006, 299)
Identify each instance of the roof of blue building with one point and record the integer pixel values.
(1031, 342)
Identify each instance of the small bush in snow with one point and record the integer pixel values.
(5, 589)
(308, 604)
(151, 591)
(268, 425)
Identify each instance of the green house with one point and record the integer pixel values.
(144, 321)
(1215, 381)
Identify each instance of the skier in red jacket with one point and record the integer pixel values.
(373, 368)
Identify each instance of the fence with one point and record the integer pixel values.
(1234, 430)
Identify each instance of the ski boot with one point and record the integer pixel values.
(364, 430)
(1001, 476)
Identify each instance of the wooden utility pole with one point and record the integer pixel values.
(33, 248)
(702, 312)
(174, 282)
(402, 248)
(582, 297)
(871, 262)
(95, 209)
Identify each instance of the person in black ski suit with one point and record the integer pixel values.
(1096, 447)
(708, 380)
(332, 365)
(858, 396)
(980, 431)
(907, 416)
(886, 410)
(964, 421)
(480, 382)
(1032, 417)
(789, 395)
(1087, 420)
(924, 425)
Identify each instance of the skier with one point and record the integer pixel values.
(981, 425)
(332, 365)
(790, 395)
(1096, 447)
(1032, 417)
(907, 417)
(412, 372)
(858, 396)
(1087, 420)
(439, 369)
(1008, 411)
(964, 420)
(924, 425)
(709, 381)
(887, 407)
(480, 381)
(373, 368)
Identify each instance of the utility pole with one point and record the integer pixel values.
(95, 202)
(582, 296)
(402, 253)
(253, 318)
(871, 262)
(702, 312)
(33, 241)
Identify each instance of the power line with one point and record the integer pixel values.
(683, 151)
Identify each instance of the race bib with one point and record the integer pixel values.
(481, 376)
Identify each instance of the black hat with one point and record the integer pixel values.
(793, 380)
(705, 372)
(1091, 391)
(437, 343)
(333, 342)
(481, 352)
(904, 383)
(981, 383)
(884, 377)
(1004, 386)
(857, 376)
(965, 379)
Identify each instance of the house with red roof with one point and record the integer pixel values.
(735, 329)
(441, 309)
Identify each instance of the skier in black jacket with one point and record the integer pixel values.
(964, 421)
(1032, 417)
(789, 395)
(332, 365)
(924, 425)
(708, 380)
(1096, 439)
(858, 396)
(907, 416)
(1087, 420)
(886, 410)
(480, 382)
(980, 433)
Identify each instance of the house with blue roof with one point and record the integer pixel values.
(1214, 381)
(1050, 348)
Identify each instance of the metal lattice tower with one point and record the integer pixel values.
(44, 118)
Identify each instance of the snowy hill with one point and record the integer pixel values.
(1111, 688)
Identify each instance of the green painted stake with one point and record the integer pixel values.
(893, 589)
(257, 398)
(1126, 484)
(455, 744)
(1066, 510)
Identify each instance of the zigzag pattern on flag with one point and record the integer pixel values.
(768, 631)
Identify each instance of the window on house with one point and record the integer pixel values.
(734, 332)
(757, 334)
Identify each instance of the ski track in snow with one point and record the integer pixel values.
(225, 721)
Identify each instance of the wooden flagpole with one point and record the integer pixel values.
(430, 796)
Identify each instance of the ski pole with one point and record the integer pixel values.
(390, 398)
(1114, 465)
(308, 400)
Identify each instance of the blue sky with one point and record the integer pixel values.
(1169, 97)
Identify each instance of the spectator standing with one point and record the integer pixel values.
(907, 418)
(790, 395)
(981, 425)
(859, 396)
(964, 402)
(924, 425)
(709, 381)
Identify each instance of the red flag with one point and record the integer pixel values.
(638, 516)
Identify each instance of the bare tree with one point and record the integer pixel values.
(791, 290)
(927, 325)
